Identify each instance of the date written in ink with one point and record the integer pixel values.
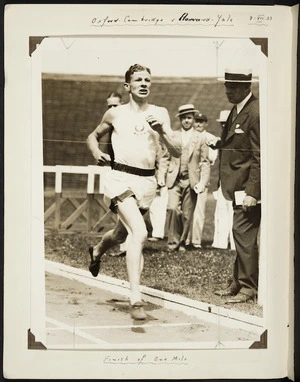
(260, 19)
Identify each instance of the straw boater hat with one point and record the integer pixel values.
(238, 75)
(223, 116)
(186, 109)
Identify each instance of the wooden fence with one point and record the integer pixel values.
(79, 210)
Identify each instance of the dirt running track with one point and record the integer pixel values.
(82, 316)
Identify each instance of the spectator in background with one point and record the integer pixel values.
(240, 182)
(158, 208)
(187, 177)
(195, 233)
(136, 127)
(224, 212)
(114, 99)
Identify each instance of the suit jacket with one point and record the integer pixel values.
(198, 166)
(240, 152)
(161, 163)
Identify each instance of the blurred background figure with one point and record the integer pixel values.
(224, 212)
(158, 214)
(195, 233)
(187, 177)
(114, 99)
(158, 208)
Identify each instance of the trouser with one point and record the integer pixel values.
(195, 234)
(223, 222)
(181, 204)
(158, 212)
(245, 233)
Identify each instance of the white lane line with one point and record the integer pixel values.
(76, 331)
(130, 326)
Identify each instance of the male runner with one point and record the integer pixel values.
(130, 187)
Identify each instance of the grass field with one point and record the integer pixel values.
(193, 274)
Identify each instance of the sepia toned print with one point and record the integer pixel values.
(77, 215)
(201, 275)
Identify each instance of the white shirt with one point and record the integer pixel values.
(240, 105)
(186, 136)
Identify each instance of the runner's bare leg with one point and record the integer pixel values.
(123, 247)
(133, 220)
(110, 239)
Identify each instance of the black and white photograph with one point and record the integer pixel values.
(151, 193)
(181, 243)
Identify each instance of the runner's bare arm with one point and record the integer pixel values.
(167, 135)
(94, 138)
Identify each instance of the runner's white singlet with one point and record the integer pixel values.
(134, 142)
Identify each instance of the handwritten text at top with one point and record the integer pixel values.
(184, 19)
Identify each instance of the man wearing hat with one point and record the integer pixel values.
(187, 176)
(195, 234)
(239, 148)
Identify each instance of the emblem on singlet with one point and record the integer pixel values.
(139, 129)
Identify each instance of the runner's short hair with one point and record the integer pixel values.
(135, 68)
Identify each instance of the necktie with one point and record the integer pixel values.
(234, 113)
(229, 123)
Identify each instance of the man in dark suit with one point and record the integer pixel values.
(239, 149)
(187, 177)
